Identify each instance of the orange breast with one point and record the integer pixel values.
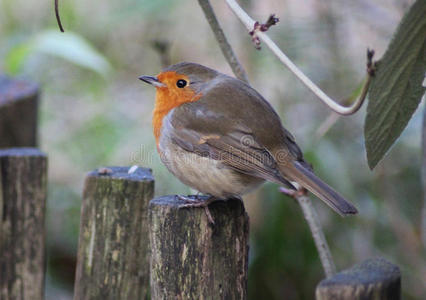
(169, 97)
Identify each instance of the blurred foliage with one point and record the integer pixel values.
(68, 46)
(279, 277)
(397, 87)
(95, 112)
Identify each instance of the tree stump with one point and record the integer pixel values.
(193, 259)
(23, 178)
(18, 113)
(113, 251)
(375, 279)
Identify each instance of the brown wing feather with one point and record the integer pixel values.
(236, 151)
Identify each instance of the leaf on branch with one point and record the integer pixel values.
(68, 46)
(396, 89)
(73, 48)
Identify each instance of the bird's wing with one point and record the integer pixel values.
(235, 146)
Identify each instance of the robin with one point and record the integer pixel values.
(219, 136)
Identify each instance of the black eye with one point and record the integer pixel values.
(181, 83)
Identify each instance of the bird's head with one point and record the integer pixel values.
(177, 84)
(180, 83)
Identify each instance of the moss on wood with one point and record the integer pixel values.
(18, 113)
(374, 279)
(23, 177)
(113, 254)
(193, 259)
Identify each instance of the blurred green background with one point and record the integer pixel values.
(95, 112)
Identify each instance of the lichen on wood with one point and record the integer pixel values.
(23, 178)
(194, 259)
(375, 279)
(18, 113)
(113, 252)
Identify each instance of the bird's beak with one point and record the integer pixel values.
(152, 80)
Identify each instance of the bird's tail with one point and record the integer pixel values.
(306, 178)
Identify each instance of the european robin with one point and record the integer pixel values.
(221, 137)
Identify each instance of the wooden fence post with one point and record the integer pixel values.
(22, 223)
(18, 113)
(193, 259)
(375, 279)
(113, 250)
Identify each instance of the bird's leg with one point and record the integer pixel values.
(301, 191)
(197, 201)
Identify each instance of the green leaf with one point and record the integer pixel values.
(72, 48)
(16, 57)
(396, 89)
(69, 46)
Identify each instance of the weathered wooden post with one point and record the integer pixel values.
(374, 279)
(18, 113)
(193, 259)
(22, 223)
(113, 250)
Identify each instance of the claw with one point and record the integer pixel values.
(301, 191)
(195, 201)
(209, 215)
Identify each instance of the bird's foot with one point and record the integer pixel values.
(301, 191)
(190, 199)
(196, 201)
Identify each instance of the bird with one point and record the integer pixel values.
(219, 136)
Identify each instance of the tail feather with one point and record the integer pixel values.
(319, 188)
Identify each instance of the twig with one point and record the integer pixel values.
(333, 105)
(58, 18)
(423, 222)
(326, 125)
(332, 118)
(317, 233)
(226, 48)
(272, 20)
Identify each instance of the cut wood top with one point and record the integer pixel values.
(12, 90)
(20, 152)
(173, 200)
(371, 271)
(122, 173)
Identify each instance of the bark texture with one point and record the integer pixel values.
(18, 113)
(113, 251)
(375, 279)
(193, 259)
(22, 224)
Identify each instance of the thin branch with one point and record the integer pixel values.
(226, 48)
(58, 18)
(272, 20)
(333, 105)
(317, 233)
(325, 126)
(423, 222)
